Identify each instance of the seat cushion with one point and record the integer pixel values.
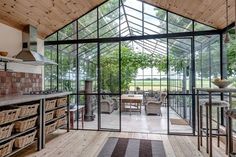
(215, 103)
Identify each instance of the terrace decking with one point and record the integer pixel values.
(89, 144)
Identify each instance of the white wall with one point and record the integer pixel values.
(11, 41)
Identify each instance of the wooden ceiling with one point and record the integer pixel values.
(50, 15)
(47, 15)
(210, 12)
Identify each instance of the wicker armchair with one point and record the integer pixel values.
(153, 107)
(163, 96)
(107, 105)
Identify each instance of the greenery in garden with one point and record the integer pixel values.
(231, 54)
(208, 58)
(131, 61)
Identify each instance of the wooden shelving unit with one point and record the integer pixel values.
(55, 119)
(40, 124)
(15, 135)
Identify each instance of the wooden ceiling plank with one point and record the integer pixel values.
(26, 14)
(47, 15)
(204, 11)
(50, 15)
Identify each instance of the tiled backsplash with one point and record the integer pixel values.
(18, 82)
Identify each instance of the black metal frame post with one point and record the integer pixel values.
(57, 61)
(99, 74)
(77, 76)
(221, 76)
(198, 121)
(40, 125)
(120, 62)
(193, 85)
(210, 121)
(68, 113)
(43, 136)
(167, 78)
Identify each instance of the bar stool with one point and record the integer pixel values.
(215, 104)
(230, 114)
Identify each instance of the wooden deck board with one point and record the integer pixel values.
(89, 144)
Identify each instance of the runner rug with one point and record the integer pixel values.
(178, 121)
(128, 147)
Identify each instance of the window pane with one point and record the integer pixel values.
(87, 25)
(50, 71)
(154, 20)
(68, 33)
(178, 23)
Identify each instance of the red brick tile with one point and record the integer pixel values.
(13, 82)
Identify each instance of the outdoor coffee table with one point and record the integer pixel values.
(131, 99)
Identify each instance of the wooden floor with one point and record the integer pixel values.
(89, 143)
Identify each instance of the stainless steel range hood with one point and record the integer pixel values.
(29, 53)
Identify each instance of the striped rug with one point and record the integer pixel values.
(127, 147)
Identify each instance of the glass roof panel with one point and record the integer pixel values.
(87, 25)
(131, 24)
(178, 23)
(201, 27)
(154, 19)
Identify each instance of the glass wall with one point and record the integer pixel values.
(110, 84)
(207, 58)
(180, 72)
(229, 65)
(128, 46)
(50, 71)
(87, 84)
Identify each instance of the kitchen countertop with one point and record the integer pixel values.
(19, 98)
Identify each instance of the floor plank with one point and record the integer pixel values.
(89, 143)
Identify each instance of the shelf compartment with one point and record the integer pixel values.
(9, 114)
(17, 135)
(20, 149)
(28, 110)
(22, 141)
(50, 104)
(55, 119)
(56, 108)
(22, 118)
(24, 125)
(6, 131)
(62, 101)
(6, 148)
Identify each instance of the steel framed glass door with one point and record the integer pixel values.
(99, 86)
(180, 80)
(109, 85)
